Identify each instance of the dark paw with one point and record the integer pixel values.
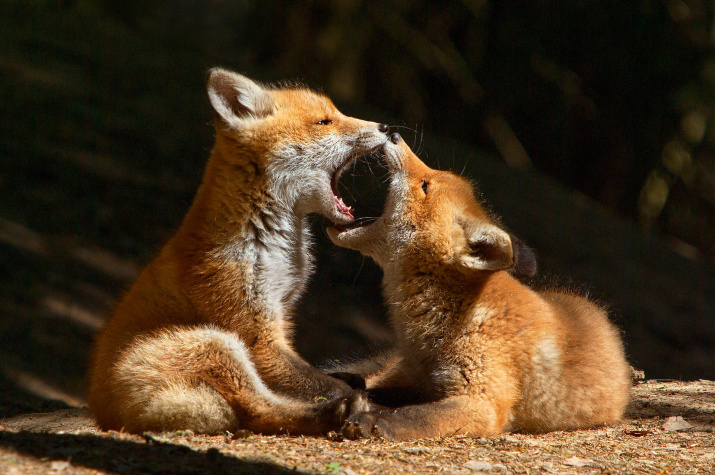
(338, 410)
(365, 425)
(359, 426)
(353, 380)
(355, 402)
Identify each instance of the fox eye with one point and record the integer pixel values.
(424, 186)
(325, 122)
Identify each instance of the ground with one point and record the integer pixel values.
(650, 439)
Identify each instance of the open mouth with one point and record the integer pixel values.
(365, 185)
(339, 203)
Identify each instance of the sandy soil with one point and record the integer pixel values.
(651, 439)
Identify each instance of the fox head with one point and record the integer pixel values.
(294, 138)
(432, 220)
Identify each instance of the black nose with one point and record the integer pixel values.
(395, 137)
(384, 128)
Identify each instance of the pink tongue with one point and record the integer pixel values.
(343, 208)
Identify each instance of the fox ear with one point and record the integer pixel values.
(524, 259)
(488, 248)
(235, 97)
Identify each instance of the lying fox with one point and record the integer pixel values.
(481, 352)
(202, 339)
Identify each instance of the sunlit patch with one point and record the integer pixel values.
(106, 262)
(34, 385)
(113, 169)
(19, 236)
(72, 311)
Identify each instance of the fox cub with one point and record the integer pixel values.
(202, 340)
(481, 352)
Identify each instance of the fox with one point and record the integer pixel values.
(202, 339)
(478, 352)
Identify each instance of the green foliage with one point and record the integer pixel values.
(333, 467)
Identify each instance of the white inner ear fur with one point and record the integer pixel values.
(236, 98)
(487, 248)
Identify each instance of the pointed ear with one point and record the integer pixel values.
(488, 248)
(236, 98)
(524, 259)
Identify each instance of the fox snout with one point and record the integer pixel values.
(395, 151)
(399, 157)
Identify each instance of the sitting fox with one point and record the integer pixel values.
(480, 352)
(202, 340)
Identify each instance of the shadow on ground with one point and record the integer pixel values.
(122, 456)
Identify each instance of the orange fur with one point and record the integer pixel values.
(202, 339)
(482, 352)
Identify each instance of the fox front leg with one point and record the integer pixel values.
(290, 375)
(459, 415)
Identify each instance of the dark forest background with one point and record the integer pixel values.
(611, 98)
(588, 124)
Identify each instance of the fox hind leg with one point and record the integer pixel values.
(203, 379)
(158, 383)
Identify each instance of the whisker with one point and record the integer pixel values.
(362, 263)
(405, 127)
(422, 139)
(414, 132)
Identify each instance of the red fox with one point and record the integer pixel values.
(480, 352)
(202, 340)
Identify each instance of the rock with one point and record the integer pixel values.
(676, 423)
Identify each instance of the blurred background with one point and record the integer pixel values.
(587, 125)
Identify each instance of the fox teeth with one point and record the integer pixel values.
(343, 208)
(343, 205)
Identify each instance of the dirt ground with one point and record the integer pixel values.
(650, 439)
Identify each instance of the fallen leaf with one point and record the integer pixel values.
(639, 433)
(577, 462)
(676, 423)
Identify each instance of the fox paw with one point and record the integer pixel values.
(353, 403)
(357, 402)
(365, 425)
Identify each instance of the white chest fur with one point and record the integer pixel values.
(284, 263)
